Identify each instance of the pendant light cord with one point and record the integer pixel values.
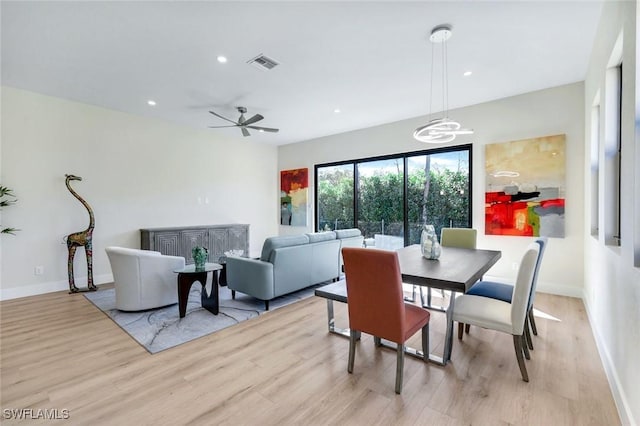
(431, 82)
(445, 81)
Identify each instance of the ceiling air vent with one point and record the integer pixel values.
(263, 62)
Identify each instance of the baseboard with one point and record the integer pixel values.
(619, 396)
(49, 287)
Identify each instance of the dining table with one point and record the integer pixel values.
(456, 270)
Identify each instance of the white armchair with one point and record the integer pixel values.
(143, 279)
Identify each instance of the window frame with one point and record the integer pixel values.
(404, 156)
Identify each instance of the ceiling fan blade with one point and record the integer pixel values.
(224, 118)
(264, 129)
(253, 119)
(222, 127)
(245, 132)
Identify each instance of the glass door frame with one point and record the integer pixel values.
(405, 157)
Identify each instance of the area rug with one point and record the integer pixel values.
(160, 329)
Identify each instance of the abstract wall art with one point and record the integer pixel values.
(294, 186)
(525, 187)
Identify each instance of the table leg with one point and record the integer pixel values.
(210, 301)
(184, 286)
(331, 322)
(222, 277)
(448, 339)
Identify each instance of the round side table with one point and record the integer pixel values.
(189, 275)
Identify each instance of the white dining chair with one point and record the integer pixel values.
(502, 291)
(502, 316)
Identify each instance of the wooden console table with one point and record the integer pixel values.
(178, 241)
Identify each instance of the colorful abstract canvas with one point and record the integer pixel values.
(525, 187)
(294, 185)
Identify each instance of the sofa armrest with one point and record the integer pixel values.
(250, 276)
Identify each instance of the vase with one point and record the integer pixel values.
(429, 242)
(199, 257)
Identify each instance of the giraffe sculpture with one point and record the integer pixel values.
(80, 239)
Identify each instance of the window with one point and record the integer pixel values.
(335, 207)
(595, 167)
(390, 198)
(612, 154)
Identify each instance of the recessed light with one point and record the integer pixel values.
(261, 131)
(467, 73)
(151, 102)
(337, 110)
(222, 59)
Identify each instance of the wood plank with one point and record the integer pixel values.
(59, 351)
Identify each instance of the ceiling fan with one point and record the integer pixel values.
(243, 123)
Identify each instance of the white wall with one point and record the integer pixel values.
(137, 172)
(547, 112)
(612, 283)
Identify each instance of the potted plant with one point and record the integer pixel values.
(6, 199)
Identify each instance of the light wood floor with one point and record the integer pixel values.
(60, 352)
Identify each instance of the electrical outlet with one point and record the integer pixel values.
(38, 270)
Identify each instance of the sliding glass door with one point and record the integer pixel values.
(390, 198)
(335, 197)
(438, 192)
(380, 202)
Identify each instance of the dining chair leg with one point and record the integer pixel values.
(377, 341)
(467, 327)
(532, 321)
(399, 368)
(460, 330)
(517, 343)
(413, 296)
(425, 342)
(353, 336)
(527, 334)
(525, 347)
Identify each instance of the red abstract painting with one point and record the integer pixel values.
(525, 186)
(294, 186)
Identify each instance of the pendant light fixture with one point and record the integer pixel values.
(444, 129)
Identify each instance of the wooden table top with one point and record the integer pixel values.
(457, 269)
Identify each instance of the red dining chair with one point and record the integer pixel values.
(376, 305)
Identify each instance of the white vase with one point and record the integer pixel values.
(429, 242)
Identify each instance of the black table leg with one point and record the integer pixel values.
(210, 301)
(185, 281)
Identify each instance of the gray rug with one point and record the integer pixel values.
(160, 329)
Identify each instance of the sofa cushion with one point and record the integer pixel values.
(348, 233)
(273, 243)
(317, 237)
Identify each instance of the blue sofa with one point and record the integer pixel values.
(291, 262)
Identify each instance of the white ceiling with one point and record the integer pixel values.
(370, 59)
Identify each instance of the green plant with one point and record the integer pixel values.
(6, 199)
